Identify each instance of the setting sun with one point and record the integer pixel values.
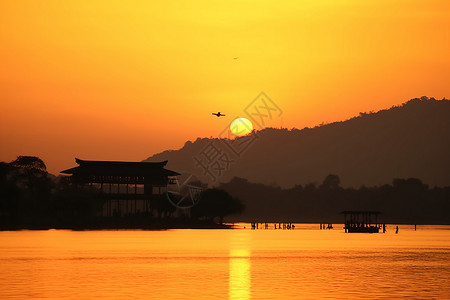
(241, 126)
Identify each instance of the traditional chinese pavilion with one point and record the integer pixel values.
(127, 187)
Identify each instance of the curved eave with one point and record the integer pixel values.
(170, 173)
(69, 171)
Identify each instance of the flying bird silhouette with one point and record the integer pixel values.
(235, 57)
(218, 114)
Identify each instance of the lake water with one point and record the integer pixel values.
(305, 263)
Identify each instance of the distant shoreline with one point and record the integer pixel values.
(117, 225)
(178, 225)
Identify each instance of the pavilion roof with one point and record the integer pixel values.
(119, 168)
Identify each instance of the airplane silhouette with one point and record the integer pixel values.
(218, 114)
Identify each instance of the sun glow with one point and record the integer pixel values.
(241, 126)
(128, 70)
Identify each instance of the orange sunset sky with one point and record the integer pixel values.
(122, 80)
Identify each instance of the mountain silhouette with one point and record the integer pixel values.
(410, 140)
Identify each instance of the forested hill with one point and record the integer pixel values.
(410, 140)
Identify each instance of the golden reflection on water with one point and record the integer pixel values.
(305, 263)
(239, 276)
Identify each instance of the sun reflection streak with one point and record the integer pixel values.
(239, 276)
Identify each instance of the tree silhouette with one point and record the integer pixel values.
(30, 163)
(216, 203)
(29, 175)
(403, 201)
(9, 192)
(331, 182)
